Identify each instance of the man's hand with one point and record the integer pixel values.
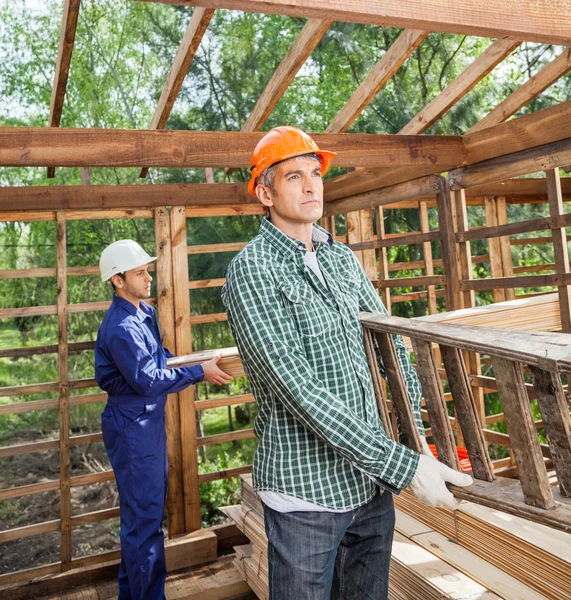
(212, 374)
(428, 483)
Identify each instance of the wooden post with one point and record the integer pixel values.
(360, 229)
(183, 338)
(449, 261)
(505, 246)
(165, 306)
(522, 432)
(399, 395)
(435, 403)
(383, 261)
(63, 388)
(560, 252)
(555, 415)
(427, 253)
(467, 412)
(494, 249)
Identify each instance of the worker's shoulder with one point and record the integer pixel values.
(256, 253)
(117, 321)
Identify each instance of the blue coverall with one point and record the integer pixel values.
(130, 365)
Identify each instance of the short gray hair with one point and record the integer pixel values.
(267, 177)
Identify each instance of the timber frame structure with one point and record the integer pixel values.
(483, 170)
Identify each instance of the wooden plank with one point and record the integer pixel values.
(399, 239)
(461, 85)
(165, 307)
(383, 260)
(427, 254)
(121, 196)
(189, 45)
(412, 281)
(434, 399)
(183, 337)
(550, 24)
(467, 412)
(221, 438)
(533, 160)
(554, 410)
(516, 282)
(560, 250)
(225, 401)
(206, 283)
(224, 474)
(525, 93)
(63, 391)
(37, 146)
(299, 52)
(45, 349)
(494, 249)
(29, 530)
(380, 396)
(449, 250)
(541, 127)
(464, 253)
(408, 431)
(65, 50)
(214, 248)
(522, 432)
(203, 544)
(392, 60)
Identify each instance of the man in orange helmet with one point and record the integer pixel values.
(324, 467)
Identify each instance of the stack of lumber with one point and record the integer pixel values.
(425, 563)
(534, 554)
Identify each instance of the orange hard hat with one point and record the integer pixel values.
(280, 144)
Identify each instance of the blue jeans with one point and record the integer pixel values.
(331, 556)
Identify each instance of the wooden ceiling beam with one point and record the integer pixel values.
(382, 72)
(189, 45)
(532, 88)
(536, 129)
(545, 22)
(65, 50)
(38, 146)
(460, 86)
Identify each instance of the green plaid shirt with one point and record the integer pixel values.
(319, 431)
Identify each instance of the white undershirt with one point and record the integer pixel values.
(277, 500)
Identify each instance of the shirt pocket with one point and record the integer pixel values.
(349, 285)
(307, 311)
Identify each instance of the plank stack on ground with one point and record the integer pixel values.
(425, 563)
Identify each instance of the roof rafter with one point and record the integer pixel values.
(189, 45)
(65, 50)
(545, 22)
(393, 59)
(532, 88)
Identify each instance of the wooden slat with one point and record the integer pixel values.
(435, 404)
(525, 93)
(384, 266)
(392, 60)
(211, 318)
(165, 307)
(225, 401)
(516, 282)
(522, 432)
(399, 239)
(65, 50)
(220, 438)
(554, 411)
(205, 283)
(412, 281)
(189, 45)
(550, 25)
(226, 474)
(42, 146)
(449, 250)
(541, 127)
(29, 530)
(214, 248)
(461, 85)
(399, 396)
(183, 337)
(494, 249)
(377, 384)
(47, 349)
(560, 251)
(467, 412)
(427, 254)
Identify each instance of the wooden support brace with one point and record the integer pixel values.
(401, 405)
(522, 432)
(467, 412)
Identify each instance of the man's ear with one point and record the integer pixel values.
(264, 196)
(117, 281)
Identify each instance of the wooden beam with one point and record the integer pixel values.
(549, 23)
(38, 146)
(189, 45)
(461, 85)
(541, 127)
(548, 156)
(388, 65)
(532, 88)
(65, 50)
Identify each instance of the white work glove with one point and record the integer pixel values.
(428, 483)
(425, 449)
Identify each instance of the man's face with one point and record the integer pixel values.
(135, 284)
(297, 196)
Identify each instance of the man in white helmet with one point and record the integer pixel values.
(131, 366)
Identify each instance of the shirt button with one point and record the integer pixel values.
(392, 480)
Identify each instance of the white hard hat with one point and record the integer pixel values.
(122, 256)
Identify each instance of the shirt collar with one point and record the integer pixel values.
(289, 245)
(142, 313)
